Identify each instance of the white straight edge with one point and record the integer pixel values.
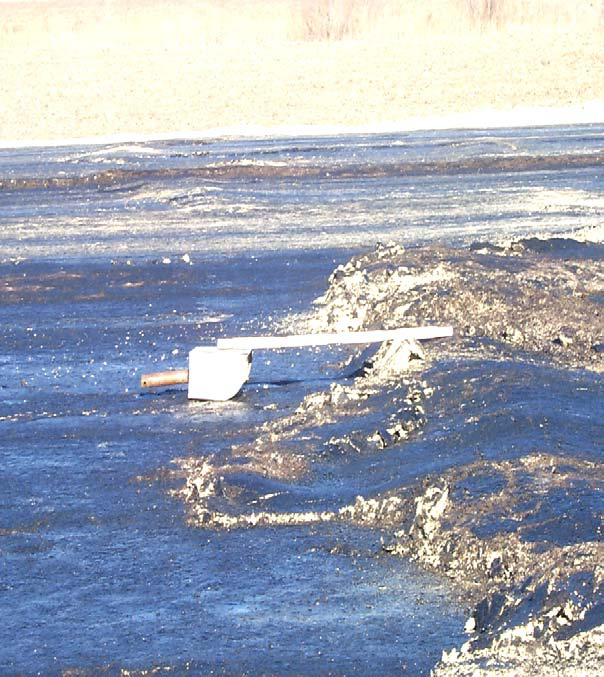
(376, 336)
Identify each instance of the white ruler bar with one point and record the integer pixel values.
(376, 336)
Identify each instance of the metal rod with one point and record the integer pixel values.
(165, 378)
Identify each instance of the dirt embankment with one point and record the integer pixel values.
(520, 535)
(523, 537)
(542, 297)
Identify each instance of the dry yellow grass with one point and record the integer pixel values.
(78, 69)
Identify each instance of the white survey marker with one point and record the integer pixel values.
(218, 372)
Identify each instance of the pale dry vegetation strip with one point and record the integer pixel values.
(186, 23)
(338, 19)
(73, 68)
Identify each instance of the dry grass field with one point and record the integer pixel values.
(81, 68)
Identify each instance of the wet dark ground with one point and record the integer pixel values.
(101, 568)
(98, 566)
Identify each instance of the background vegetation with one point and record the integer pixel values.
(77, 68)
(338, 19)
(207, 22)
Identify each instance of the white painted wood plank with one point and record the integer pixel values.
(376, 336)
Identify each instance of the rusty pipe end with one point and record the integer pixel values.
(165, 378)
